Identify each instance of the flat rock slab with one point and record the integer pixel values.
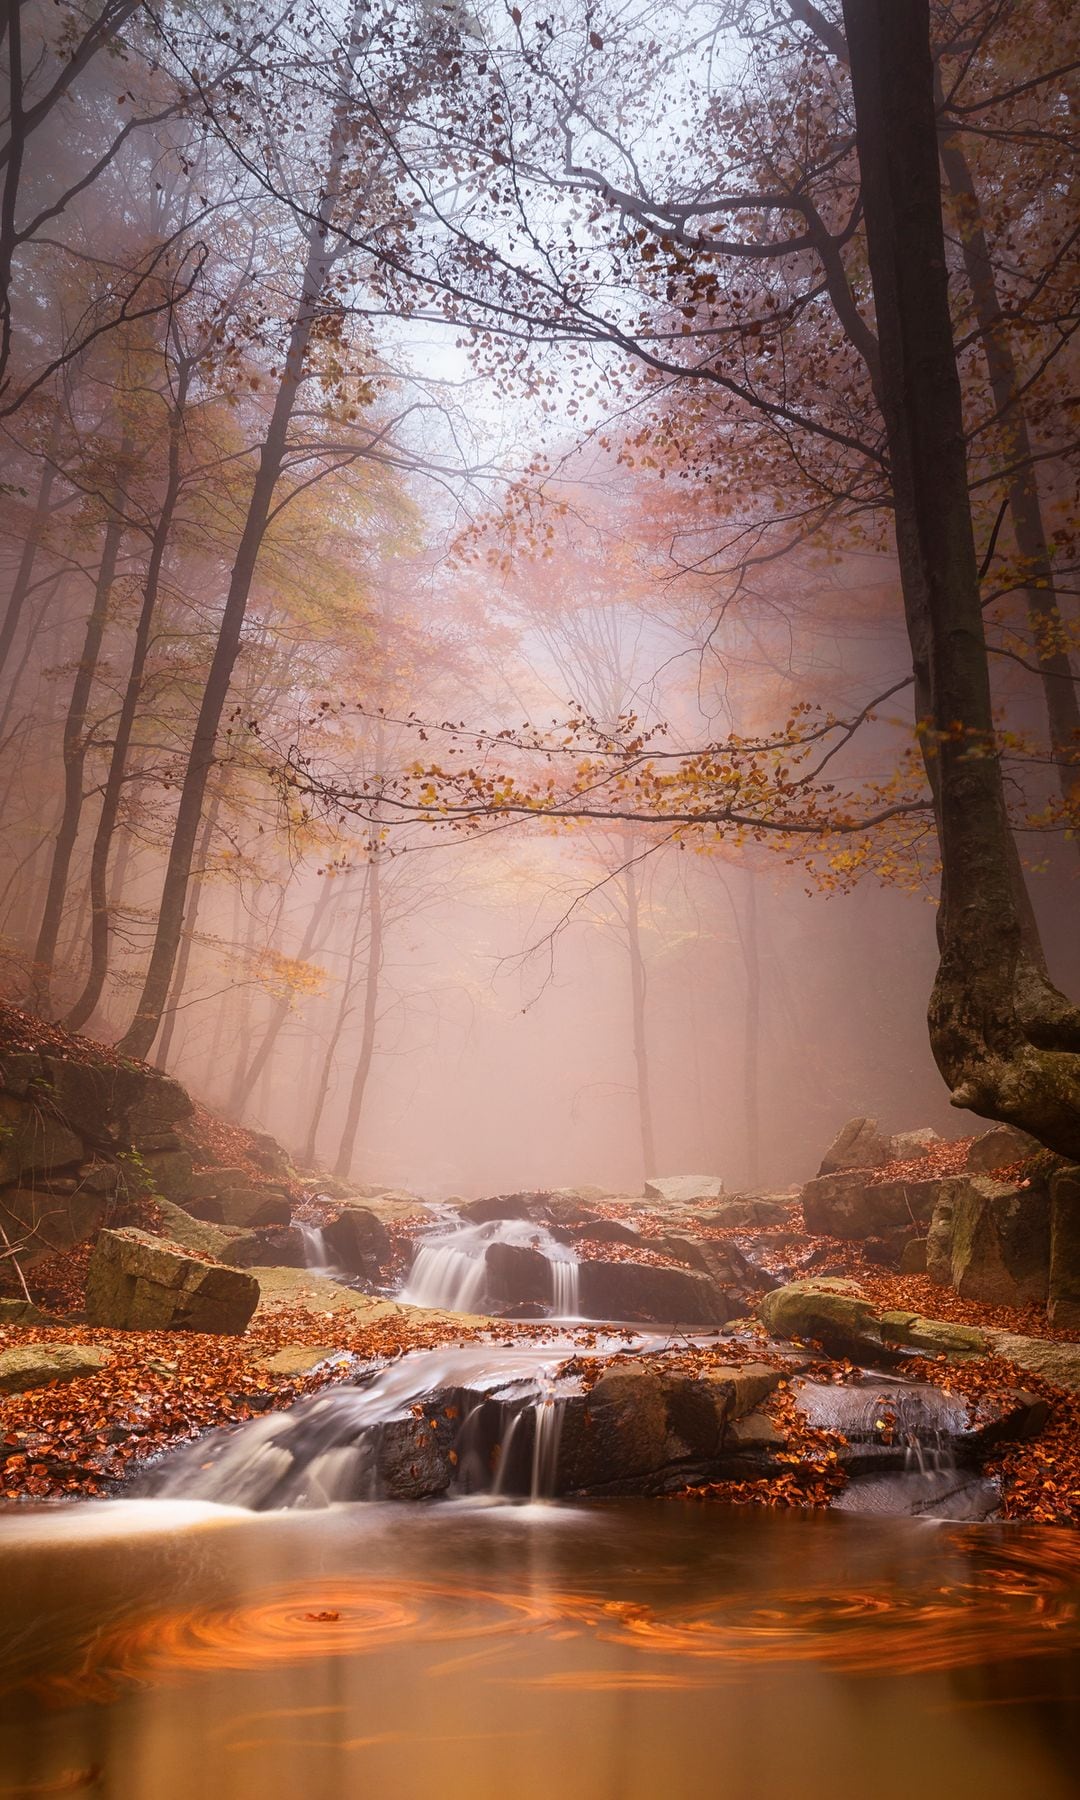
(36, 1365)
(1058, 1363)
(296, 1359)
(683, 1190)
(319, 1295)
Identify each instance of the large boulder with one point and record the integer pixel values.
(115, 1103)
(36, 1365)
(1063, 1298)
(827, 1309)
(43, 1224)
(518, 1275)
(249, 1208)
(503, 1206)
(851, 1206)
(999, 1251)
(34, 1140)
(748, 1211)
(141, 1283)
(858, 1145)
(684, 1190)
(999, 1149)
(651, 1295)
(1055, 1362)
(358, 1241)
(913, 1146)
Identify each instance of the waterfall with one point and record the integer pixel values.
(315, 1252)
(447, 1277)
(547, 1430)
(565, 1286)
(451, 1272)
(483, 1418)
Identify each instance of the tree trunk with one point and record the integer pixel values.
(637, 1014)
(183, 961)
(282, 1006)
(75, 757)
(1001, 1034)
(317, 268)
(114, 782)
(20, 587)
(752, 1032)
(347, 1147)
(1025, 504)
(307, 1154)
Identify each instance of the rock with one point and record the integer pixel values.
(753, 1436)
(684, 1190)
(634, 1291)
(831, 1311)
(23, 1312)
(249, 1208)
(609, 1231)
(358, 1240)
(1000, 1245)
(1063, 1293)
(181, 1227)
(210, 1184)
(267, 1154)
(858, 1145)
(171, 1172)
(749, 1210)
(503, 1206)
(1055, 1362)
(999, 1148)
(912, 1146)
(36, 1365)
(141, 1283)
(913, 1257)
(850, 1206)
(1007, 1418)
(517, 1274)
(934, 1337)
(940, 1235)
(34, 1140)
(19, 1069)
(321, 1296)
(296, 1359)
(276, 1248)
(43, 1224)
(585, 1195)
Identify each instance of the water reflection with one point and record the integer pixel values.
(158, 1653)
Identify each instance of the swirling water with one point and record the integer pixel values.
(174, 1651)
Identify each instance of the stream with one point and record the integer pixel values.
(261, 1622)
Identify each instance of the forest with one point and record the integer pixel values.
(539, 646)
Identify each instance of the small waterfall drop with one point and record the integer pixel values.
(316, 1256)
(453, 1272)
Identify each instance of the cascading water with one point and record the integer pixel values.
(316, 1255)
(909, 1433)
(480, 1419)
(452, 1271)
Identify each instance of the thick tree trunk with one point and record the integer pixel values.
(347, 1147)
(638, 1024)
(75, 746)
(1003, 1038)
(118, 762)
(317, 270)
(1025, 504)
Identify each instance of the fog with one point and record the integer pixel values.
(488, 762)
